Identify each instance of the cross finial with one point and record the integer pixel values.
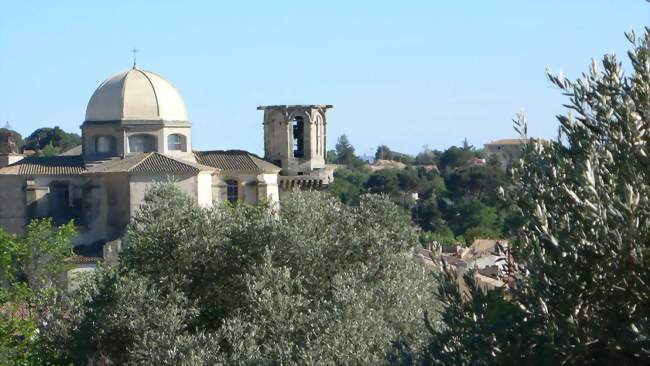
(134, 51)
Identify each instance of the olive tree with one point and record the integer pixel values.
(316, 282)
(584, 295)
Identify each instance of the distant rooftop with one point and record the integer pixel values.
(508, 142)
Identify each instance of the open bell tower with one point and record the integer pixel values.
(295, 138)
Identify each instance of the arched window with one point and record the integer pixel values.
(142, 143)
(232, 191)
(105, 144)
(298, 137)
(176, 142)
(318, 134)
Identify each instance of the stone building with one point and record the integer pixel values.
(136, 132)
(506, 151)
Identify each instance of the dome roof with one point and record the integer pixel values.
(136, 95)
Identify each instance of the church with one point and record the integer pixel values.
(136, 132)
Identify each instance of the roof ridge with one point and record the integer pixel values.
(248, 156)
(171, 158)
(196, 165)
(141, 161)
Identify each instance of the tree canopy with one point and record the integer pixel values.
(584, 297)
(48, 141)
(30, 268)
(457, 196)
(318, 282)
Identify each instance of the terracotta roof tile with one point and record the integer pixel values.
(508, 142)
(149, 163)
(46, 165)
(157, 163)
(235, 160)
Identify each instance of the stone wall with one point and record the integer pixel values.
(13, 203)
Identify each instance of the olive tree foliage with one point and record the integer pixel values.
(30, 266)
(585, 295)
(121, 319)
(339, 286)
(316, 282)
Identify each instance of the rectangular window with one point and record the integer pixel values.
(176, 142)
(142, 143)
(232, 191)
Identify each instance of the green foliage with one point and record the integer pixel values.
(348, 184)
(585, 202)
(123, 319)
(383, 181)
(480, 232)
(473, 312)
(51, 141)
(428, 215)
(344, 150)
(316, 283)
(37, 256)
(385, 153)
(330, 157)
(476, 181)
(433, 240)
(30, 265)
(455, 157)
(408, 179)
(472, 213)
(453, 188)
(345, 153)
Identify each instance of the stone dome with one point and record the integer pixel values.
(136, 95)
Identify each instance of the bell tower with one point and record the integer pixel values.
(295, 138)
(8, 150)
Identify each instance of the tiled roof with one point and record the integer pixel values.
(235, 160)
(149, 163)
(509, 142)
(46, 165)
(155, 163)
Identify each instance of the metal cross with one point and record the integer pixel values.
(134, 51)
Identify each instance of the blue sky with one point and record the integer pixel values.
(400, 73)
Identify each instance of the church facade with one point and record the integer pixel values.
(136, 133)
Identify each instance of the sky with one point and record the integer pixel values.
(406, 74)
